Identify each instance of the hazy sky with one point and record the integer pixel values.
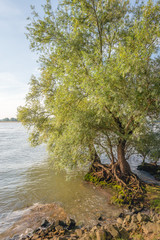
(17, 62)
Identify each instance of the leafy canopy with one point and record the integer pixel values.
(99, 81)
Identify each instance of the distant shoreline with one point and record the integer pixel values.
(9, 121)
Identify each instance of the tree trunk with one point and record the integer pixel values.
(123, 164)
(96, 157)
(93, 154)
(144, 158)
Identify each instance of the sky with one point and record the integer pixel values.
(17, 62)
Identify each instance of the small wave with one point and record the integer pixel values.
(20, 221)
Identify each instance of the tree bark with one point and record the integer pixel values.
(93, 154)
(123, 164)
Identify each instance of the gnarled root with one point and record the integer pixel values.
(131, 188)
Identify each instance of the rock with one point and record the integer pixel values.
(52, 227)
(133, 210)
(28, 231)
(92, 235)
(113, 231)
(155, 218)
(50, 234)
(151, 228)
(79, 232)
(121, 215)
(70, 223)
(15, 237)
(148, 228)
(127, 219)
(40, 233)
(137, 210)
(98, 225)
(95, 228)
(61, 238)
(60, 223)
(132, 227)
(101, 218)
(73, 235)
(59, 228)
(120, 221)
(100, 235)
(124, 234)
(158, 227)
(86, 237)
(134, 219)
(139, 217)
(22, 237)
(125, 229)
(35, 236)
(84, 229)
(37, 230)
(142, 217)
(45, 224)
(80, 224)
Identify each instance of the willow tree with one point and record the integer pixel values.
(99, 84)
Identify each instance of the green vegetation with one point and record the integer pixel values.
(153, 195)
(122, 195)
(148, 144)
(99, 89)
(8, 120)
(156, 204)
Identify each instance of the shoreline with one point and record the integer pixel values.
(127, 226)
(54, 223)
(9, 122)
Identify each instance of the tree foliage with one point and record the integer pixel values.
(99, 84)
(148, 144)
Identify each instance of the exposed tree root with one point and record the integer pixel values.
(131, 190)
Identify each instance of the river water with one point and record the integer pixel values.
(27, 179)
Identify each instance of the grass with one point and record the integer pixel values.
(153, 197)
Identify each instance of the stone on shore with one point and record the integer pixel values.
(131, 226)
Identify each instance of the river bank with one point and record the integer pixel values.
(151, 168)
(132, 226)
(51, 221)
(34, 216)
